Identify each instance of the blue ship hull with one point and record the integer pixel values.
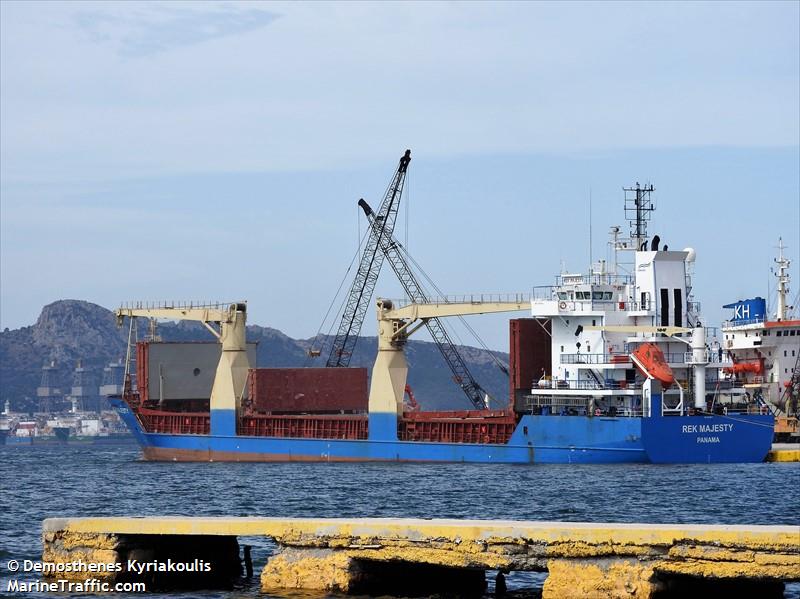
(536, 439)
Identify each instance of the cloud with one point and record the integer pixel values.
(152, 29)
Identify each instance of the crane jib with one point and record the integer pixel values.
(461, 374)
(366, 277)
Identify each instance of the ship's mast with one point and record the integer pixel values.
(783, 280)
(638, 210)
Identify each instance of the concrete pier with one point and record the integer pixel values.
(406, 556)
(784, 452)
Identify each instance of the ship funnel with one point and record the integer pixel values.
(654, 243)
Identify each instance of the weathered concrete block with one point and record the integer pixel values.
(600, 579)
(340, 571)
(161, 561)
(326, 570)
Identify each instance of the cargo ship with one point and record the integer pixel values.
(762, 349)
(610, 366)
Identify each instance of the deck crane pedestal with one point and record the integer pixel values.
(395, 325)
(231, 375)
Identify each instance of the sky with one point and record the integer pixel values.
(194, 151)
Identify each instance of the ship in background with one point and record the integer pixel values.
(82, 416)
(764, 355)
(612, 366)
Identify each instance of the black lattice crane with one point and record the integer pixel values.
(392, 249)
(369, 268)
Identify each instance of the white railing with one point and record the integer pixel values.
(570, 304)
(595, 359)
(585, 385)
(469, 298)
(177, 305)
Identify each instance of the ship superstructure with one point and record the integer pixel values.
(763, 353)
(599, 319)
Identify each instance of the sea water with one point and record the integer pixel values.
(53, 481)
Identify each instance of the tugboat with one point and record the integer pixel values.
(619, 358)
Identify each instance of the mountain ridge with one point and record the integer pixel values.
(68, 331)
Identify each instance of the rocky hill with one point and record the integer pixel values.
(71, 330)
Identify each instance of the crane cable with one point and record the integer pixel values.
(361, 240)
(499, 363)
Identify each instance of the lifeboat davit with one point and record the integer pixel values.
(650, 362)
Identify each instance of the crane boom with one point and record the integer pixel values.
(461, 375)
(230, 378)
(368, 270)
(395, 325)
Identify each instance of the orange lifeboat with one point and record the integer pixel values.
(756, 367)
(650, 362)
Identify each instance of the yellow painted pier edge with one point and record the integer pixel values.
(340, 555)
(784, 455)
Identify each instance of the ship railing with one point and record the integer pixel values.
(587, 385)
(675, 357)
(608, 358)
(736, 385)
(727, 324)
(573, 304)
(470, 298)
(594, 279)
(625, 306)
(177, 305)
(575, 406)
(711, 356)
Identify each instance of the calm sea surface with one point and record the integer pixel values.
(48, 481)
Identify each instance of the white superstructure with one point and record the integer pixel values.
(765, 352)
(645, 286)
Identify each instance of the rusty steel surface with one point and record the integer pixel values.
(305, 427)
(180, 423)
(142, 379)
(308, 390)
(529, 352)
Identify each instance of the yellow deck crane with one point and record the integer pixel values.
(227, 322)
(395, 326)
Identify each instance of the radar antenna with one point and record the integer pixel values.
(638, 210)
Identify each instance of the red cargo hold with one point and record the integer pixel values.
(529, 355)
(308, 390)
